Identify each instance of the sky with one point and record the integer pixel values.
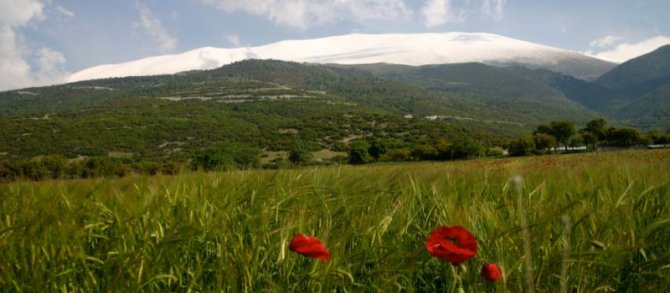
(43, 41)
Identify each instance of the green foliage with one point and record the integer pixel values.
(226, 155)
(466, 149)
(57, 167)
(426, 152)
(358, 152)
(522, 146)
(657, 137)
(300, 153)
(624, 137)
(596, 127)
(593, 133)
(590, 139)
(543, 128)
(543, 142)
(377, 149)
(400, 155)
(562, 131)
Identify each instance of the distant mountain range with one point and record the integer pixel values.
(636, 92)
(269, 103)
(403, 49)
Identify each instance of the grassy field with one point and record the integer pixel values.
(595, 223)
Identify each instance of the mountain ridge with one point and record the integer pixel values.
(405, 49)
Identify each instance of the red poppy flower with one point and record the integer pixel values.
(491, 272)
(454, 244)
(309, 246)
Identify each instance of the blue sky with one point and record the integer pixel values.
(42, 41)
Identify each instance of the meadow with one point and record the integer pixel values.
(596, 222)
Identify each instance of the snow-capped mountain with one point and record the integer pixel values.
(406, 49)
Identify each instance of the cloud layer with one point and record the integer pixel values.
(605, 41)
(305, 13)
(625, 51)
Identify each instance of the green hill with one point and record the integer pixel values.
(639, 90)
(261, 104)
(640, 73)
(269, 104)
(513, 94)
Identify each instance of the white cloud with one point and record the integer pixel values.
(436, 12)
(439, 12)
(15, 13)
(233, 39)
(626, 51)
(15, 70)
(605, 41)
(64, 11)
(153, 28)
(495, 8)
(304, 13)
(51, 67)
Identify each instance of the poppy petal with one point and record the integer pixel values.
(309, 246)
(455, 244)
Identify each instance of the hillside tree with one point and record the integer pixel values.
(562, 131)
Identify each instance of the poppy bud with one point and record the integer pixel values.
(491, 272)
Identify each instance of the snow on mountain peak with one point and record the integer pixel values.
(406, 49)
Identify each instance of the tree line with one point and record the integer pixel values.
(563, 136)
(556, 136)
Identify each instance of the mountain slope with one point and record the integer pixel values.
(644, 71)
(589, 94)
(512, 93)
(406, 49)
(260, 102)
(651, 110)
(639, 90)
(263, 104)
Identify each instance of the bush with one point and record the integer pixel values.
(402, 154)
(358, 152)
(377, 149)
(170, 168)
(425, 152)
(543, 142)
(300, 153)
(223, 156)
(522, 146)
(466, 149)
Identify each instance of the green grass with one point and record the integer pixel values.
(596, 222)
